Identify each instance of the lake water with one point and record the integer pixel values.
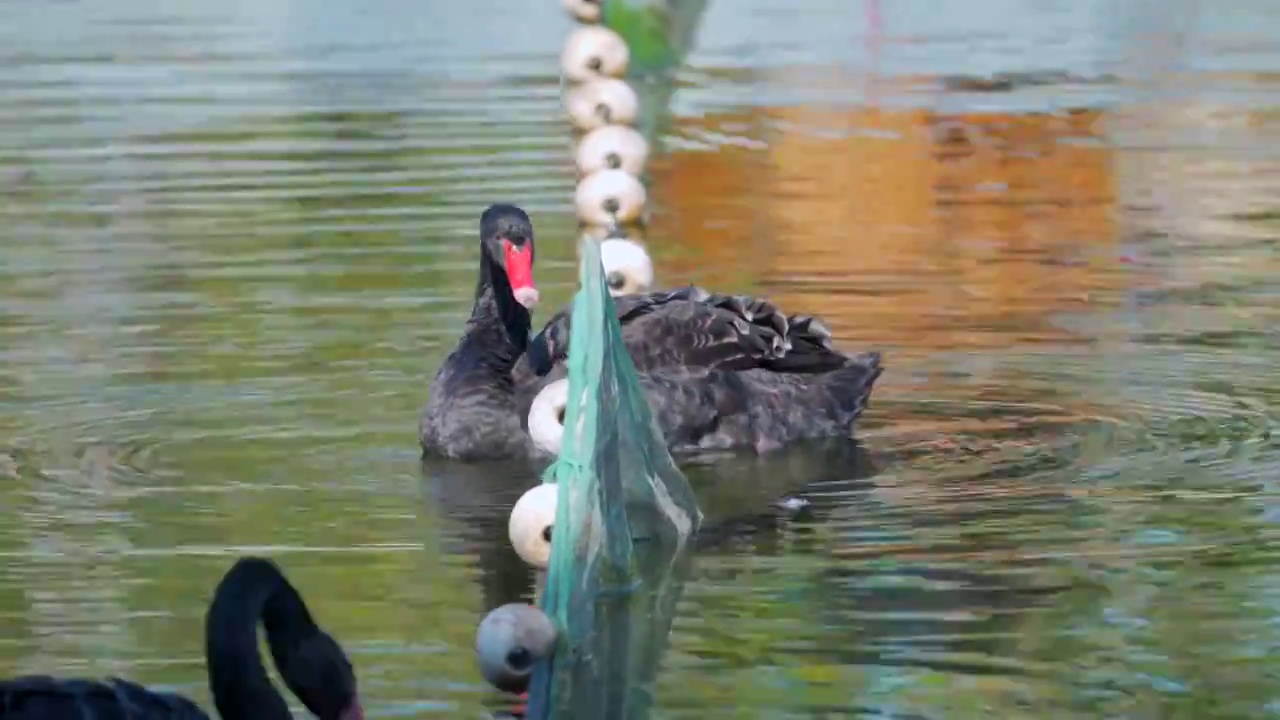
(238, 239)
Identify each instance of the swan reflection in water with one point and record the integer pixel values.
(741, 495)
(797, 504)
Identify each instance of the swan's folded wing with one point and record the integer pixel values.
(690, 404)
(692, 328)
(637, 305)
(551, 346)
(697, 335)
(732, 332)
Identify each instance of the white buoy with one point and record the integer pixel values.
(612, 147)
(593, 51)
(546, 420)
(609, 195)
(587, 11)
(510, 641)
(627, 267)
(532, 519)
(513, 638)
(601, 102)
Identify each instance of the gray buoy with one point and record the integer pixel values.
(510, 641)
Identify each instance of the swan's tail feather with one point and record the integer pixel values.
(809, 355)
(763, 318)
(850, 387)
(809, 349)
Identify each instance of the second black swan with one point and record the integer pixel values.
(310, 661)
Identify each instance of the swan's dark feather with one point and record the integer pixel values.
(468, 414)
(693, 328)
(722, 371)
(40, 697)
(311, 662)
(713, 408)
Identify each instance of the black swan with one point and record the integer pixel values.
(311, 662)
(720, 371)
(471, 412)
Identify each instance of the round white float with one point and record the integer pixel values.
(588, 11)
(531, 521)
(592, 51)
(627, 267)
(612, 147)
(510, 641)
(546, 422)
(609, 194)
(601, 102)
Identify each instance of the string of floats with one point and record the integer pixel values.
(610, 156)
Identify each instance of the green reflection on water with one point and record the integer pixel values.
(216, 339)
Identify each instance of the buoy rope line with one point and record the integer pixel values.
(609, 153)
(610, 156)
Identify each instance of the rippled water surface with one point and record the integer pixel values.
(238, 239)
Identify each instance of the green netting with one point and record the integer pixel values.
(624, 518)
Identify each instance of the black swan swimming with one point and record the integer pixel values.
(471, 411)
(719, 371)
(310, 661)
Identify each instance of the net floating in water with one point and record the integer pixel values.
(625, 515)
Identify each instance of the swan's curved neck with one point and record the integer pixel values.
(253, 590)
(496, 307)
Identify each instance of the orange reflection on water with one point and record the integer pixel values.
(707, 227)
(919, 229)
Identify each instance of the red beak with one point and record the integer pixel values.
(519, 261)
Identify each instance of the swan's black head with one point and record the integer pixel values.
(506, 241)
(319, 673)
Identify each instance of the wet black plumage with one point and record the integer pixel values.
(718, 370)
(310, 661)
(724, 371)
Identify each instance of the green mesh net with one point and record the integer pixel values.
(624, 518)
